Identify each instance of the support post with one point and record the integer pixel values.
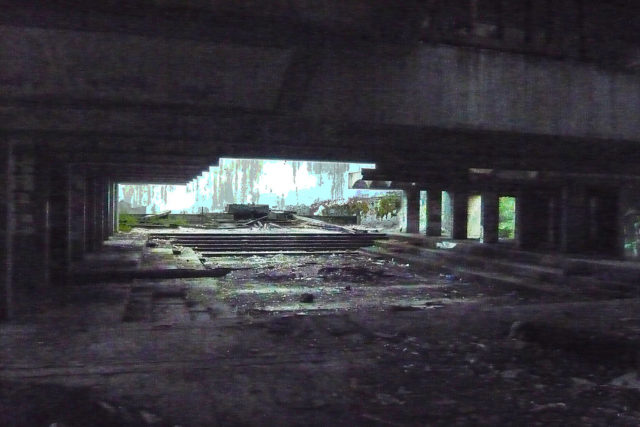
(490, 216)
(90, 235)
(412, 197)
(108, 222)
(116, 225)
(459, 202)
(574, 219)
(59, 212)
(98, 190)
(6, 235)
(434, 212)
(76, 212)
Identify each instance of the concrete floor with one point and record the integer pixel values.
(380, 344)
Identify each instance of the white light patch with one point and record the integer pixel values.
(178, 199)
(277, 177)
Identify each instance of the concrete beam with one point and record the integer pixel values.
(439, 84)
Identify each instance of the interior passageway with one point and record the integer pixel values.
(448, 237)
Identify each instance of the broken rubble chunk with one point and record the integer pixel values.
(629, 380)
(549, 407)
(150, 418)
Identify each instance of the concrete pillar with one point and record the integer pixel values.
(108, 209)
(76, 218)
(574, 224)
(27, 249)
(6, 236)
(90, 230)
(98, 208)
(59, 212)
(42, 215)
(108, 224)
(459, 204)
(434, 212)
(412, 198)
(116, 227)
(490, 216)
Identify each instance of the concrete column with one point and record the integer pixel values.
(116, 227)
(98, 208)
(42, 214)
(490, 216)
(108, 224)
(27, 251)
(108, 197)
(434, 212)
(412, 197)
(574, 224)
(76, 212)
(58, 218)
(6, 236)
(459, 204)
(90, 230)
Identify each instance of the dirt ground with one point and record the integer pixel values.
(315, 340)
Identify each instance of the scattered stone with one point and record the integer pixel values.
(386, 336)
(107, 407)
(152, 244)
(150, 418)
(177, 251)
(629, 380)
(583, 384)
(549, 407)
(510, 374)
(387, 399)
(307, 298)
(347, 288)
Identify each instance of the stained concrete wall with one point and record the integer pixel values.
(420, 85)
(454, 87)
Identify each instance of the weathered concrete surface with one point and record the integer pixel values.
(362, 356)
(434, 86)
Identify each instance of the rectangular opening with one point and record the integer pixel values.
(507, 218)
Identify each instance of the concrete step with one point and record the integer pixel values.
(276, 252)
(465, 272)
(206, 236)
(503, 251)
(447, 256)
(226, 244)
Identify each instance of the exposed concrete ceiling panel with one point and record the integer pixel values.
(460, 88)
(79, 65)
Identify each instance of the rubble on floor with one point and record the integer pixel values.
(311, 339)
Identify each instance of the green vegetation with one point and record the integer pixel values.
(127, 221)
(170, 221)
(388, 205)
(350, 208)
(357, 207)
(507, 222)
